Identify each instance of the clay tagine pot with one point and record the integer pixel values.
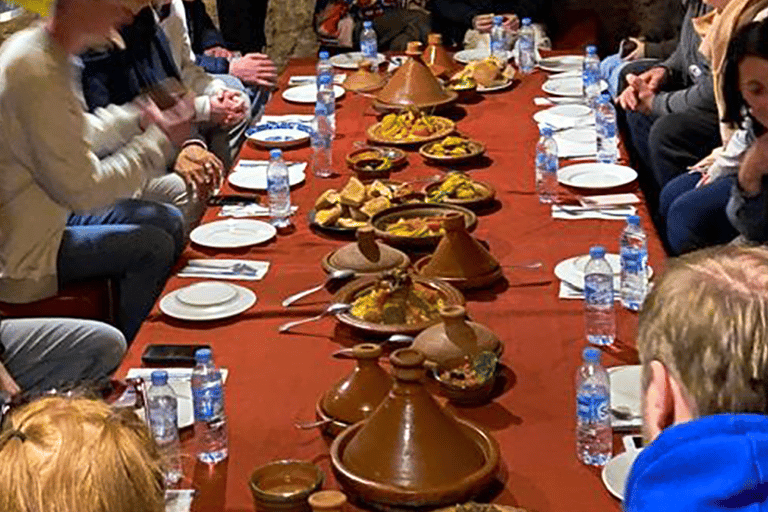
(413, 84)
(367, 256)
(456, 338)
(460, 259)
(357, 395)
(438, 60)
(365, 79)
(412, 452)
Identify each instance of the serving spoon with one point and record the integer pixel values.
(333, 309)
(336, 274)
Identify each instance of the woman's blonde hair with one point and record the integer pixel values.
(706, 320)
(60, 454)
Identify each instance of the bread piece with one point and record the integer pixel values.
(329, 216)
(378, 189)
(327, 199)
(349, 223)
(356, 214)
(376, 205)
(353, 194)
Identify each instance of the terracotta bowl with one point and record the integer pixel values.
(444, 127)
(397, 156)
(285, 485)
(474, 203)
(383, 495)
(466, 396)
(347, 294)
(333, 426)
(463, 283)
(380, 220)
(475, 150)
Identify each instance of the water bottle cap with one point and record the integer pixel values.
(546, 130)
(634, 220)
(526, 21)
(203, 355)
(159, 377)
(592, 49)
(323, 55)
(498, 20)
(367, 24)
(591, 355)
(597, 251)
(275, 153)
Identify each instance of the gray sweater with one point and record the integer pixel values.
(689, 79)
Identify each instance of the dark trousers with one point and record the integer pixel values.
(694, 218)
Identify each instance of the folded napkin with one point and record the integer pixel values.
(610, 199)
(249, 210)
(223, 269)
(568, 212)
(311, 79)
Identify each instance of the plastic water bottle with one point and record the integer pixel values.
(526, 47)
(594, 444)
(599, 315)
(324, 130)
(633, 250)
(590, 75)
(605, 125)
(163, 419)
(546, 166)
(368, 42)
(498, 39)
(208, 402)
(325, 105)
(279, 190)
(324, 67)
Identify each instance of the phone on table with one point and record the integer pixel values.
(170, 355)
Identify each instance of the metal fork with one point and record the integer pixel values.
(235, 268)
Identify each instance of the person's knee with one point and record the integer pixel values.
(107, 344)
(158, 247)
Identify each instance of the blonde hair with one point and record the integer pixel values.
(706, 320)
(62, 454)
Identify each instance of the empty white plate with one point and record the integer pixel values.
(616, 471)
(241, 300)
(596, 175)
(625, 387)
(562, 63)
(571, 270)
(308, 93)
(352, 60)
(467, 56)
(570, 110)
(207, 293)
(579, 135)
(232, 233)
(569, 86)
(254, 176)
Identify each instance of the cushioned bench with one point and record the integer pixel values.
(93, 299)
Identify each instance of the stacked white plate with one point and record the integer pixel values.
(308, 93)
(352, 60)
(232, 233)
(561, 63)
(571, 270)
(252, 174)
(207, 300)
(594, 175)
(467, 56)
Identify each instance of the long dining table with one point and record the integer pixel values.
(275, 379)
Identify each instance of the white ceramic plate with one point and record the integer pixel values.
(279, 134)
(254, 177)
(562, 63)
(570, 111)
(467, 56)
(308, 93)
(596, 175)
(586, 135)
(232, 233)
(352, 60)
(625, 387)
(207, 293)
(173, 306)
(571, 270)
(179, 380)
(499, 87)
(616, 471)
(570, 86)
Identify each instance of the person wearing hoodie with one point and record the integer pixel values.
(703, 346)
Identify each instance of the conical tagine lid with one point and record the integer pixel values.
(410, 441)
(438, 60)
(367, 255)
(358, 394)
(459, 254)
(414, 84)
(365, 79)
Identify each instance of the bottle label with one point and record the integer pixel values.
(598, 291)
(369, 48)
(163, 422)
(526, 44)
(592, 407)
(632, 260)
(207, 401)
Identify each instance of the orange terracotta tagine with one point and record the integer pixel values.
(367, 256)
(358, 394)
(413, 84)
(412, 452)
(365, 79)
(436, 57)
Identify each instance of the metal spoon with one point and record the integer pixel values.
(333, 309)
(336, 274)
(533, 265)
(396, 340)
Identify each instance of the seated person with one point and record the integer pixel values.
(340, 22)
(39, 354)
(62, 171)
(78, 455)
(452, 18)
(253, 73)
(703, 346)
(694, 204)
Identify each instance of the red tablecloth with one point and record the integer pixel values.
(275, 379)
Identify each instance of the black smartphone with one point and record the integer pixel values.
(170, 355)
(235, 199)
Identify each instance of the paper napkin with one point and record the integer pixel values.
(568, 212)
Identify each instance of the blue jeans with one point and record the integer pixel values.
(695, 217)
(134, 242)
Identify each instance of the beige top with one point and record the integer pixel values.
(55, 159)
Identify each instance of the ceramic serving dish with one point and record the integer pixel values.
(284, 485)
(486, 196)
(381, 220)
(475, 149)
(444, 126)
